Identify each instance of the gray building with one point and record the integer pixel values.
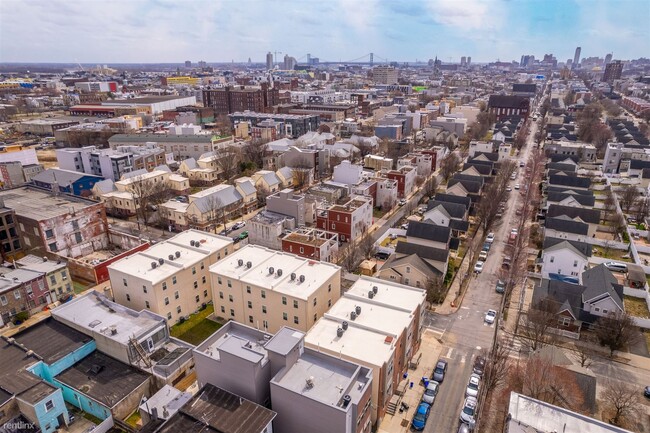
(266, 229)
(286, 202)
(310, 391)
(295, 124)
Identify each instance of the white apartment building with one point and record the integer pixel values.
(268, 289)
(172, 277)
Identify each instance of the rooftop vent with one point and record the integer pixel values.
(96, 369)
(302, 278)
(271, 270)
(279, 272)
(192, 243)
(154, 265)
(161, 261)
(293, 276)
(339, 332)
(346, 400)
(249, 265)
(171, 257)
(29, 353)
(371, 294)
(375, 289)
(344, 325)
(353, 315)
(310, 382)
(357, 310)
(240, 262)
(177, 254)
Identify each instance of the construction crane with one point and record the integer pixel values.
(80, 67)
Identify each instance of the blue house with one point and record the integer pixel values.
(66, 181)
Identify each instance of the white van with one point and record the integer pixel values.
(616, 266)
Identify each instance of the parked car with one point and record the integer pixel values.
(381, 255)
(236, 239)
(486, 246)
(440, 370)
(646, 392)
(469, 410)
(479, 365)
(513, 176)
(420, 416)
(405, 226)
(516, 186)
(508, 189)
(490, 317)
(239, 225)
(616, 266)
(500, 287)
(243, 235)
(225, 231)
(478, 267)
(473, 386)
(489, 238)
(402, 202)
(463, 428)
(483, 255)
(431, 392)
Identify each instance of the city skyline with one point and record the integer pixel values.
(163, 31)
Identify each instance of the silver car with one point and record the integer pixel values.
(469, 410)
(431, 392)
(473, 386)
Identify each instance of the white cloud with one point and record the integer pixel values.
(467, 15)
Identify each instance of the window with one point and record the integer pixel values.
(315, 301)
(552, 259)
(406, 281)
(193, 270)
(295, 304)
(219, 280)
(229, 283)
(230, 298)
(265, 324)
(408, 269)
(52, 247)
(263, 294)
(295, 319)
(77, 237)
(205, 293)
(329, 302)
(285, 316)
(52, 279)
(146, 304)
(250, 304)
(596, 309)
(604, 310)
(220, 295)
(203, 279)
(232, 312)
(166, 301)
(223, 309)
(169, 316)
(264, 309)
(128, 297)
(174, 280)
(124, 282)
(250, 319)
(17, 294)
(49, 405)
(248, 289)
(176, 295)
(196, 284)
(202, 266)
(329, 287)
(564, 321)
(144, 288)
(3, 300)
(575, 263)
(284, 300)
(49, 234)
(302, 250)
(164, 285)
(178, 309)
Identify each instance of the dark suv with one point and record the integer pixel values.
(479, 365)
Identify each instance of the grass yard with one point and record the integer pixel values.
(197, 328)
(134, 420)
(79, 287)
(618, 255)
(636, 307)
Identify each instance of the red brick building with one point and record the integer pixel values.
(312, 244)
(348, 220)
(228, 100)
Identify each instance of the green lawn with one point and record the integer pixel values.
(79, 287)
(197, 328)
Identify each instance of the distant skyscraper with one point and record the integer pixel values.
(463, 61)
(469, 60)
(613, 71)
(576, 57)
(608, 59)
(188, 64)
(269, 60)
(202, 64)
(289, 63)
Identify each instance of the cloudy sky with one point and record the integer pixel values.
(140, 31)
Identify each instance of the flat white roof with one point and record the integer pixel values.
(238, 340)
(207, 192)
(389, 294)
(368, 347)
(263, 259)
(176, 205)
(143, 176)
(141, 264)
(373, 316)
(97, 314)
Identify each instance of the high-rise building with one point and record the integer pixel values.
(188, 63)
(613, 71)
(608, 59)
(226, 100)
(384, 75)
(469, 60)
(576, 57)
(269, 60)
(202, 64)
(463, 61)
(289, 63)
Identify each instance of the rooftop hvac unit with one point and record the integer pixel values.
(161, 261)
(177, 254)
(357, 310)
(339, 332)
(353, 315)
(346, 400)
(271, 270)
(154, 265)
(302, 278)
(344, 325)
(375, 289)
(293, 276)
(171, 257)
(192, 243)
(371, 294)
(240, 262)
(310, 382)
(249, 265)
(279, 272)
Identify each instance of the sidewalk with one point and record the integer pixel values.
(429, 350)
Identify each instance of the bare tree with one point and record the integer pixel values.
(436, 291)
(609, 206)
(497, 366)
(147, 193)
(255, 151)
(615, 331)
(348, 257)
(537, 323)
(643, 209)
(430, 185)
(493, 195)
(449, 166)
(226, 161)
(366, 243)
(622, 399)
(262, 193)
(215, 212)
(583, 355)
(627, 197)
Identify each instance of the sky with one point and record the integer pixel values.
(172, 31)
